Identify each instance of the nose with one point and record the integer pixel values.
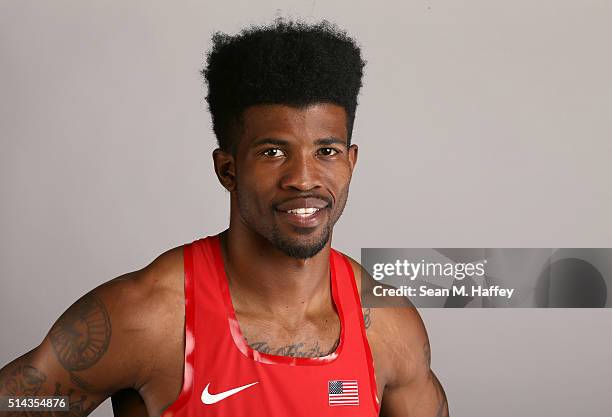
(301, 173)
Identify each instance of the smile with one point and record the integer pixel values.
(303, 212)
(304, 217)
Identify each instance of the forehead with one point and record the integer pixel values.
(316, 121)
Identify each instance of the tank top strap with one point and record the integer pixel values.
(208, 268)
(348, 293)
(356, 341)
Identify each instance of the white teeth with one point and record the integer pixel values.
(303, 211)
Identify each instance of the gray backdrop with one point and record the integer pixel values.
(481, 124)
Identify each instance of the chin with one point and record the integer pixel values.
(301, 247)
(301, 252)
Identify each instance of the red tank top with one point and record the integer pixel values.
(224, 377)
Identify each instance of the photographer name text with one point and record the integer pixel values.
(424, 291)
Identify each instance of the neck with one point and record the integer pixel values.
(264, 280)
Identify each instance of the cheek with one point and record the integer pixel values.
(254, 189)
(259, 173)
(339, 180)
(246, 176)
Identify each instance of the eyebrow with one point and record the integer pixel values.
(330, 141)
(283, 142)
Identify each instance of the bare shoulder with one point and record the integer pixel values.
(158, 285)
(142, 309)
(113, 337)
(396, 332)
(147, 311)
(151, 292)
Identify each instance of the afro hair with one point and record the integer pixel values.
(287, 62)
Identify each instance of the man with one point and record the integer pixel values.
(263, 319)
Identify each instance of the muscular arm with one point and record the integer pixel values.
(402, 355)
(98, 346)
(67, 362)
(413, 390)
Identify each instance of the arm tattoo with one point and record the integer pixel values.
(24, 380)
(81, 336)
(27, 381)
(80, 382)
(367, 317)
(78, 405)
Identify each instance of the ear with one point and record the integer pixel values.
(353, 151)
(225, 168)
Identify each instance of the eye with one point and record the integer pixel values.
(328, 151)
(273, 152)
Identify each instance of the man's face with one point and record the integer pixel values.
(292, 174)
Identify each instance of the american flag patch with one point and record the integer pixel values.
(343, 393)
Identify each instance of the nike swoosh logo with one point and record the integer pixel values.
(208, 398)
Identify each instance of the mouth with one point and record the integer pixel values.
(303, 212)
(304, 217)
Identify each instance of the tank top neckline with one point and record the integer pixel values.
(234, 326)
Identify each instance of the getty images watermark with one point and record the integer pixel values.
(414, 270)
(481, 277)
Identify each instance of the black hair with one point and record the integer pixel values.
(286, 62)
